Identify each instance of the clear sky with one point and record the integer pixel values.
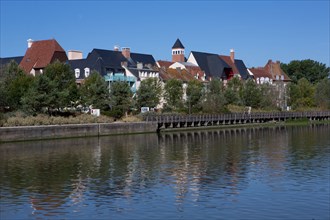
(257, 30)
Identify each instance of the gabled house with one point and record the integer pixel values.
(274, 69)
(191, 68)
(41, 53)
(238, 67)
(219, 66)
(270, 73)
(261, 76)
(211, 64)
(115, 65)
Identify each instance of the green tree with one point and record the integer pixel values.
(14, 83)
(52, 91)
(194, 94)
(214, 100)
(120, 98)
(173, 94)
(322, 94)
(251, 94)
(312, 70)
(37, 97)
(94, 92)
(232, 91)
(302, 94)
(63, 82)
(149, 93)
(268, 93)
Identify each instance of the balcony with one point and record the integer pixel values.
(119, 77)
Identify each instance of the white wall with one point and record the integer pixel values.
(177, 65)
(191, 59)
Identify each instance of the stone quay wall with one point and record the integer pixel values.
(77, 130)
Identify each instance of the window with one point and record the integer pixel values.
(77, 73)
(86, 72)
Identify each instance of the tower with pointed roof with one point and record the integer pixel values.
(178, 51)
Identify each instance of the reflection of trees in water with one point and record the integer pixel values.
(61, 173)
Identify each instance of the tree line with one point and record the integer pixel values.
(55, 92)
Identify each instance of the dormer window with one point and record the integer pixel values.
(86, 72)
(77, 73)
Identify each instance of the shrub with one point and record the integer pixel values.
(41, 119)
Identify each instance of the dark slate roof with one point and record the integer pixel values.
(104, 61)
(108, 58)
(210, 63)
(6, 60)
(143, 58)
(242, 69)
(135, 71)
(78, 64)
(178, 44)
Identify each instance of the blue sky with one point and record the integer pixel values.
(257, 30)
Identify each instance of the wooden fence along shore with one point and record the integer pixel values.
(184, 121)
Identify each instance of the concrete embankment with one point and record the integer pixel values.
(77, 130)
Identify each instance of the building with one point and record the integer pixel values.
(272, 74)
(205, 66)
(219, 66)
(178, 52)
(41, 53)
(180, 65)
(115, 65)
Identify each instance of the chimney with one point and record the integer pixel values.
(232, 55)
(139, 65)
(30, 42)
(74, 55)
(116, 48)
(126, 51)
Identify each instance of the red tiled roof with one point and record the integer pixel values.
(274, 69)
(42, 53)
(260, 72)
(180, 74)
(195, 70)
(163, 63)
(228, 60)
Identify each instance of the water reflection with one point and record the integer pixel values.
(118, 175)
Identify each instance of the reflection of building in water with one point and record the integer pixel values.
(274, 153)
(205, 157)
(97, 155)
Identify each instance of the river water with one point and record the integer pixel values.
(242, 173)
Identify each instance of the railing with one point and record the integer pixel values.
(208, 119)
(114, 78)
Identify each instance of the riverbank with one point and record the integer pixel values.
(27, 133)
(24, 133)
